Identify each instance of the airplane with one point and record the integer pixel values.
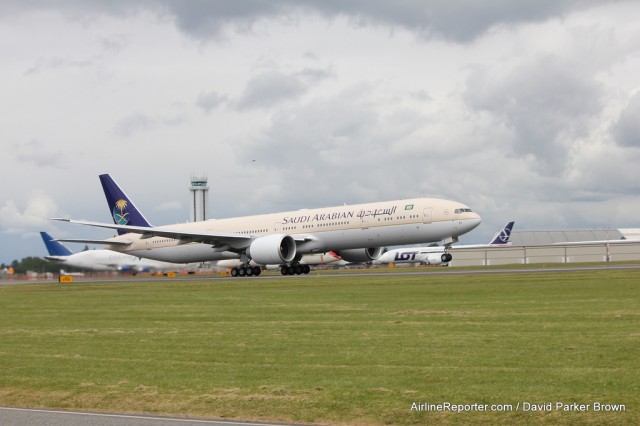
(104, 260)
(438, 255)
(356, 233)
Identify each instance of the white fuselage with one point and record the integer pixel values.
(424, 255)
(108, 260)
(400, 222)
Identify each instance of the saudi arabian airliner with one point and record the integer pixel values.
(356, 233)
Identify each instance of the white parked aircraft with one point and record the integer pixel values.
(356, 233)
(438, 254)
(105, 260)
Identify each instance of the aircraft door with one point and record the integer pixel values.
(427, 215)
(364, 222)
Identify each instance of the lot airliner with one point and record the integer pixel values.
(438, 255)
(356, 233)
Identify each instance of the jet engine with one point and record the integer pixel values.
(434, 259)
(272, 249)
(360, 255)
(438, 258)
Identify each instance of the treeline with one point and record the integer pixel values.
(35, 264)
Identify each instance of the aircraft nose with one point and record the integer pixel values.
(473, 221)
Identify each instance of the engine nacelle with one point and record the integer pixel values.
(434, 259)
(272, 249)
(361, 255)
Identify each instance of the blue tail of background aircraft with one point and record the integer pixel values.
(122, 209)
(502, 237)
(54, 247)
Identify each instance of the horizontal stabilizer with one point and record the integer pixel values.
(56, 258)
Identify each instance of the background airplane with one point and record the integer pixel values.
(356, 233)
(438, 254)
(105, 260)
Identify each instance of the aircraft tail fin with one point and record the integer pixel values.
(502, 236)
(54, 247)
(121, 208)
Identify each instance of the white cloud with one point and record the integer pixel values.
(34, 216)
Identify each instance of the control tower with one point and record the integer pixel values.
(199, 199)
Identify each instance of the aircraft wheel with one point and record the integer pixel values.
(297, 269)
(306, 269)
(443, 257)
(257, 271)
(234, 272)
(284, 270)
(249, 270)
(242, 271)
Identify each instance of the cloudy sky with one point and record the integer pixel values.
(526, 110)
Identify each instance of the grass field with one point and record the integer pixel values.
(330, 350)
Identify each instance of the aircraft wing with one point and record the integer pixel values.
(213, 238)
(86, 241)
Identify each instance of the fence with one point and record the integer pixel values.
(556, 253)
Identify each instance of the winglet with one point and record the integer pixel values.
(121, 208)
(54, 247)
(502, 236)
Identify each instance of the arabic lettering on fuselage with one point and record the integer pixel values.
(323, 217)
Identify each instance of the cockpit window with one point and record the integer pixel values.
(462, 211)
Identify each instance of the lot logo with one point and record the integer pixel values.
(119, 213)
(407, 255)
(504, 235)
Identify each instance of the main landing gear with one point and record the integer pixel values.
(295, 269)
(246, 271)
(446, 257)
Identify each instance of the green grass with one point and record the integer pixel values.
(337, 350)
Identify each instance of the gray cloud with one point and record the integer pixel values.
(545, 104)
(133, 124)
(272, 87)
(460, 21)
(39, 155)
(140, 123)
(626, 130)
(209, 101)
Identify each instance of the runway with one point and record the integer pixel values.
(377, 272)
(35, 417)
